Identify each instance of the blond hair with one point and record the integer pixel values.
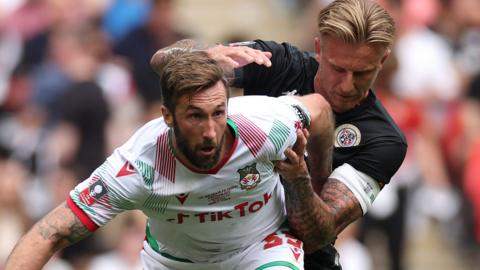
(187, 72)
(357, 21)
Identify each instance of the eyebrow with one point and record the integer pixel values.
(367, 69)
(193, 107)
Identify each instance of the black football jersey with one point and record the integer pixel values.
(365, 137)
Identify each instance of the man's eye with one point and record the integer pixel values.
(219, 113)
(195, 116)
(362, 73)
(338, 69)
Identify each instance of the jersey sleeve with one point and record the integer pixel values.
(291, 69)
(378, 160)
(291, 116)
(112, 188)
(381, 161)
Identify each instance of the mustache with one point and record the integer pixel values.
(208, 144)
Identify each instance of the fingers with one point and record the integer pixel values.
(301, 143)
(295, 154)
(239, 56)
(228, 61)
(292, 156)
(257, 56)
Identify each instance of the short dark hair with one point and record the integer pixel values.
(187, 72)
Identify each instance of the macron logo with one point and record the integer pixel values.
(127, 169)
(182, 197)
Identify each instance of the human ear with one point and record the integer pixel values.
(317, 49)
(385, 56)
(167, 116)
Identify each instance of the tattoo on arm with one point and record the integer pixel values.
(318, 219)
(308, 216)
(62, 227)
(342, 203)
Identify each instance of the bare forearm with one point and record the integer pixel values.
(320, 149)
(317, 220)
(308, 216)
(320, 140)
(58, 229)
(31, 252)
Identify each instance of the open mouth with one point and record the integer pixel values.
(206, 151)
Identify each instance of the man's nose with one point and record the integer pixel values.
(347, 82)
(209, 128)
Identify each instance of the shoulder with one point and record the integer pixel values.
(264, 124)
(260, 107)
(369, 139)
(282, 49)
(147, 138)
(372, 120)
(291, 69)
(268, 45)
(266, 113)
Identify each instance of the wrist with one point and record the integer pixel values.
(298, 180)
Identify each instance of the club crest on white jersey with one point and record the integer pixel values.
(249, 177)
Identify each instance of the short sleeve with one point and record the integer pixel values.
(112, 188)
(291, 69)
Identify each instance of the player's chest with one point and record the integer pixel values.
(240, 179)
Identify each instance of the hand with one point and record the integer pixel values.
(295, 167)
(231, 57)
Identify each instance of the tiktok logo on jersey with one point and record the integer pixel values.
(239, 210)
(249, 177)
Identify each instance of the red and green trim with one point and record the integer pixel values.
(253, 136)
(278, 263)
(84, 218)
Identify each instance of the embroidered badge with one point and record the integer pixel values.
(94, 192)
(249, 177)
(347, 135)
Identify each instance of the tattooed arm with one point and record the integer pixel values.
(59, 229)
(315, 219)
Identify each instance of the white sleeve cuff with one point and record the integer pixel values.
(364, 187)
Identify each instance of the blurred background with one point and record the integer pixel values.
(75, 82)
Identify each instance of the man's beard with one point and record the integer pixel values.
(201, 163)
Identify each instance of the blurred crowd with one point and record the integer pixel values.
(75, 82)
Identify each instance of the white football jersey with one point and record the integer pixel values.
(198, 216)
